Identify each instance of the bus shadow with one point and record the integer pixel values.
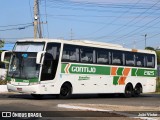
(78, 96)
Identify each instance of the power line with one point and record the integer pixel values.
(95, 22)
(78, 20)
(106, 9)
(117, 39)
(154, 35)
(130, 43)
(103, 5)
(10, 38)
(132, 6)
(138, 7)
(72, 15)
(17, 25)
(46, 18)
(30, 10)
(120, 28)
(18, 28)
(115, 18)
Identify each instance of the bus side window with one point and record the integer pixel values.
(140, 60)
(150, 61)
(70, 53)
(129, 59)
(86, 55)
(102, 56)
(117, 58)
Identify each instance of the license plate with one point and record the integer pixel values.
(19, 89)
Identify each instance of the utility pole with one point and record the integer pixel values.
(134, 44)
(145, 40)
(37, 22)
(71, 34)
(35, 18)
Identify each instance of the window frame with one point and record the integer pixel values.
(101, 51)
(110, 52)
(118, 52)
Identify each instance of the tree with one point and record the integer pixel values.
(158, 56)
(149, 48)
(1, 43)
(157, 52)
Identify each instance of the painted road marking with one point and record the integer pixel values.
(102, 110)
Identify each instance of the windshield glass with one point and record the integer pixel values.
(29, 46)
(23, 65)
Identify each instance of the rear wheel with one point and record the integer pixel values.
(128, 91)
(137, 90)
(66, 91)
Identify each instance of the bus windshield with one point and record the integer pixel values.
(23, 60)
(23, 65)
(29, 46)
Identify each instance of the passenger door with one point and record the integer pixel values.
(50, 63)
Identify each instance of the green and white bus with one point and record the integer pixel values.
(63, 67)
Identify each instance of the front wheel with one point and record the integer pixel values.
(66, 91)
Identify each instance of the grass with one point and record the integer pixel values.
(158, 85)
(3, 82)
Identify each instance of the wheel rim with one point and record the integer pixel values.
(138, 90)
(65, 91)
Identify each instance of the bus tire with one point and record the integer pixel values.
(65, 91)
(128, 91)
(137, 90)
(37, 96)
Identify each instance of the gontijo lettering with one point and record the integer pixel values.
(148, 72)
(83, 69)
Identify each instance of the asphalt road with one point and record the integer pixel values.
(24, 102)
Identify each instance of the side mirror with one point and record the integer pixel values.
(5, 56)
(39, 57)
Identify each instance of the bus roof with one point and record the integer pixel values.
(89, 43)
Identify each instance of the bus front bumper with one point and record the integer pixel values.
(31, 89)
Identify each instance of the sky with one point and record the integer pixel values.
(124, 22)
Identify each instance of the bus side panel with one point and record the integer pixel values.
(92, 83)
(150, 85)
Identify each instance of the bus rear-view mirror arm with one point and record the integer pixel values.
(39, 57)
(3, 55)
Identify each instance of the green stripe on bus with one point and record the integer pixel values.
(23, 80)
(120, 71)
(144, 72)
(133, 73)
(63, 68)
(85, 69)
(104, 70)
(115, 80)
